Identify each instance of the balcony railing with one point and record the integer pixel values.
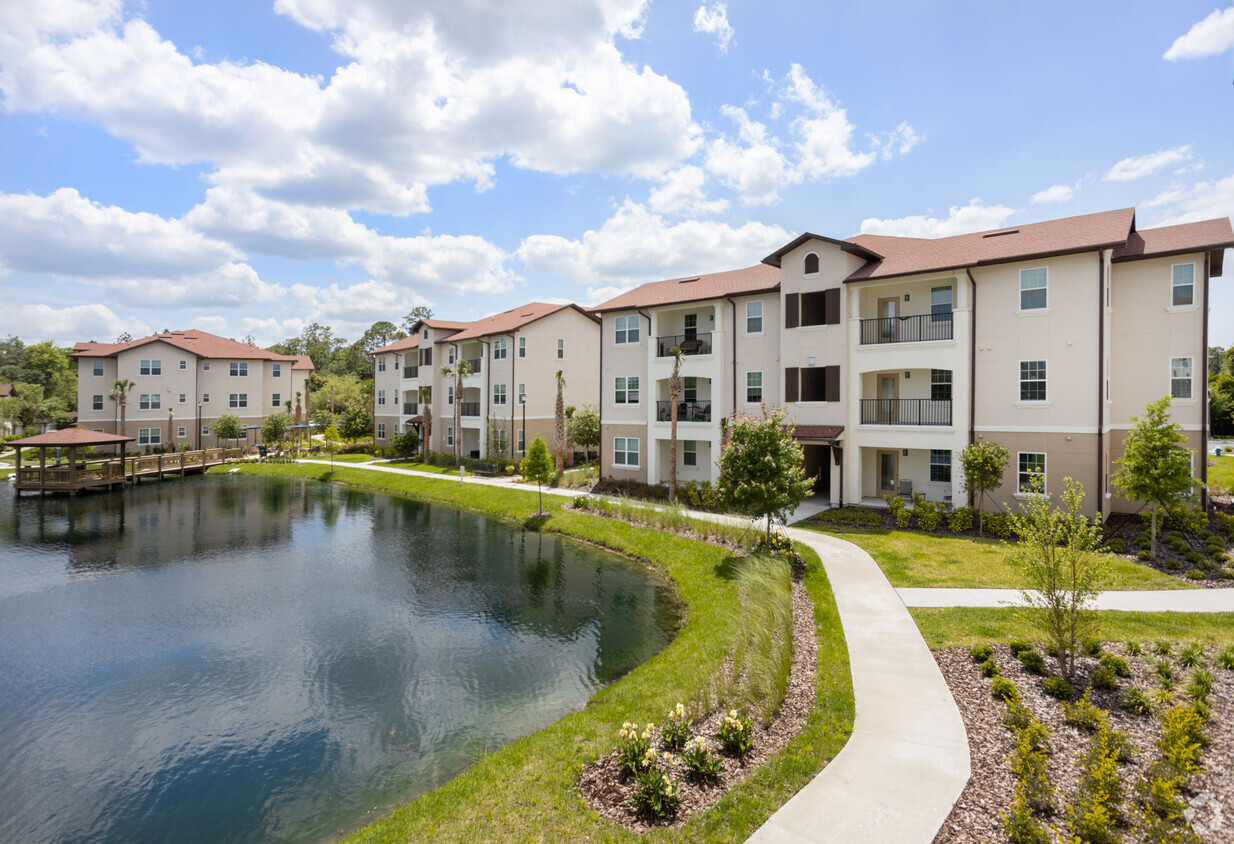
(411, 372)
(905, 412)
(410, 408)
(470, 408)
(906, 329)
(690, 344)
(687, 411)
(475, 364)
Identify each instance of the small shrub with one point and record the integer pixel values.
(1182, 739)
(904, 518)
(1191, 655)
(929, 514)
(1018, 716)
(1139, 702)
(1116, 664)
(633, 745)
(1201, 685)
(1030, 766)
(1100, 791)
(960, 520)
(1145, 556)
(1104, 678)
(1021, 826)
(1164, 673)
(852, 516)
(1005, 690)
(1162, 697)
(998, 524)
(1115, 546)
(1057, 687)
(676, 728)
(1226, 660)
(1163, 647)
(736, 733)
(1134, 648)
(1193, 574)
(1018, 646)
(655, 794)
(989, 668)
(1051, 649)
(1084, 714)
(980, 653)
(1091, 647)
(702, 763)
(1032, 660)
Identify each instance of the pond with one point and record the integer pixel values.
(253, 659)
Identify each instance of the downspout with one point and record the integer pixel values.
(733, 378)
(600, 410)
(1204, 420)
(487, 398)
(1100, 379)
(514, 384)
(972, 366)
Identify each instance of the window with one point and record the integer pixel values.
(499, 394)
(149, 401)
(184, 364)
(181, 432)
(811, 264)
(396, 429)
(561, 350)
(1033, 291)
(183, 398)
(450, 435)
(940, 385)
(1032, 380)
(205, 398)
(754, 387)
(151, 367)
(381, 430)
(276, 371)
(754, 317)
(450, 352)
(97, 430)
(626, 390)
(238, 369)
(275, 400)
(149, 436)
(1180, 378)
(499, 440)
(499, 349)
(691, 323)
(625, 329)
(98, 369)
(820, 307)
(691, 389)
(381, 396)
(205, 430)
(396, 397)
(625, 451)
(205, 366)
(96, 402)
(521, 435)
(381, 364)
(522, 393)
(1183, 285)
(940, 465)
(450, 395)
(238, 400)
(940, 304)
(1031, 463)
(689, 453)
(522, 347)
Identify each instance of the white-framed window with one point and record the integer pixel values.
(450, 395)
(183, 398)
(754, 387)
(181, 432)
(205, 430)
(149, 401)
(450, 356)
(625, 329)
(625, 389)
(499, 394)
(521, 445)
(810, 266)
(149, 436)
(754, 317)
(238, 400)
(1182, 284)
(381, 396)
(98, 369)
(1180, 378)
(940, 385)
(1032, 380)
(690, 389)
(689, 453)
(205, 398)
(381, 430)
(381, 363)
(500, 437)
(1034, 289)
(184, 364)
(625, 452)
(522, 393)
(561, 350)
(150, 367)
(276, 400)
(238, 369)
(940, 465)
(96, 401)
(450, 435)
(522, 347)
(205, 366)
(276, 371)
(499, 349)
(940, 303)
(396, 429)
(396, 397)
(1030, 463)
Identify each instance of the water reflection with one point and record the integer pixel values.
(245, 659)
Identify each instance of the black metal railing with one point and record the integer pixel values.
(470, 408)
(690, 344)
(476, 364)
(906, 329)
(687, 411)
(905, 412)
(410, 408)
(411, 372)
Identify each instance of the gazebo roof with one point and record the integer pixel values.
(70, 437)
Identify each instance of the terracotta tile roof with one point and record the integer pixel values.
(199, 343)
(755, 279)
(818, 432)
(71, 436)
(399, 345)
(1174, 240)
(909, 255)
(510, 320)
(303, 362)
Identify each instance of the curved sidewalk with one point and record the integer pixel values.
(907, 760)
(1171, 600)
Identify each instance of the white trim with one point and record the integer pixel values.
(1034, 429)
(1045, 473)
(803, 265)
(626, 451)
(1020, 309)
(1029, 404)
(1190, 378)
(1045, 362)
(1128, 426)
(1192, 285)
(1035, 312)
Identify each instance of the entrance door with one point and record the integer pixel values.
(887, 474)
(888, 403)
(888, 325)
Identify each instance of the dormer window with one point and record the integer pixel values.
(811, 267)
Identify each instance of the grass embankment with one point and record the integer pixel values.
(525, 790)
(1221, 474)
(968, 626)
(922, 559)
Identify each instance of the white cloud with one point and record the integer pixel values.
(212, 324)
(1054, 193)
(754, 168)
(1180, 204)
(960, 219)
(272, 330)
(825, 133)
(1140, 166)
(634, 246)
(1214, 34)
(596, 295)
(350, 310)
(226, 286)
(66, 326)
(681, 192)
(714, 21)
(899, 140)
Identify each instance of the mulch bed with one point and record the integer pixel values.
(976, 815)
(607, 789)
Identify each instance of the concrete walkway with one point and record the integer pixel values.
(1173, 600)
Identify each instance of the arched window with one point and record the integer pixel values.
(811, 264)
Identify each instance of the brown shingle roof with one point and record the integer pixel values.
(71, 436)
(755, 279)
(510, 320)
(399, 345)
(1174, 240)
(199, 343)
(6, 390)
(818, 432)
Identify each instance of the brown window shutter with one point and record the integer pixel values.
(428, 357)
(833, 306)
(831, 383)
(790, 382)
(792, 310)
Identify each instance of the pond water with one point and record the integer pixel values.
(248, 659)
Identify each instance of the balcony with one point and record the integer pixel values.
(905, 412)
(476, 364)
(907, 329)
(687, 411)
(411, 372)
(690, 344)
(469, 408)
(410, 408)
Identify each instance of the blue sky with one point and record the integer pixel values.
(248, 167)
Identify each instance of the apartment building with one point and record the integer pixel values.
(510, 395)
(183, 382)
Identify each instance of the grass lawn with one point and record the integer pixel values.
(919, 559)
(525, 790)
(968, 626)
(1221, 476)
(349, 458)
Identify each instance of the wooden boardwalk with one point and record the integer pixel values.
(73, 477)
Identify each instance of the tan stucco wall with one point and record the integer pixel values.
(1118, 447)
(1067, 455)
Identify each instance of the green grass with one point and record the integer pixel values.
(968, 626)
(1221, 475)
(920, 559)
(525, 790)
(350, 458)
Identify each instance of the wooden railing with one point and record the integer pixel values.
(116, 471)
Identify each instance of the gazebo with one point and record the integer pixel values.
(69, 478)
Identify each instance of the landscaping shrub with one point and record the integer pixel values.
(1201, 685)
(1103, 678)
(998, 524)
(1057, 687)
(1020, 825)
(1032, 660)
(702, 763)
(1091, 647)
(1226, 660)
(1182, 740)
(1145, 556)
(960, 520)
(980, 653)
(989, 668)
(849, 516)
(1139, 702)
(902, 515)
(1095, 811)
(676, 729)
(736, 733)
(929, 515)
(1134, 648)
(1030, 767)
(1116, 664)
(1191, 655)
(1084, 714)
(1115, 546)
(655, 794)
(633, 747)
(1018, 716)
(1005, 690)
(1018, 646)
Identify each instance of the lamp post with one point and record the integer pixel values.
(522, 400)
(199, 426)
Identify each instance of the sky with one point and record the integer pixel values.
(247, 167)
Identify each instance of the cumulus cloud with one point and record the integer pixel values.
(961, 219)
(713, 21)
(1137, 167)
(272, 330)
(1054, 193)
(1214, 34)
(212, 324)
(65, 326)
(681, 192)
(352, 308)
(1182, 204)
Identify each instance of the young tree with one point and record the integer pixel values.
(458, 372)
(559, 426)
(982, 465)
(227, 427)
(675, 385)
(1063, 572)
(538, 466)
(1156, 465)
(274, 428)
(426, 410)
(330, 441)
(356, 424)
(585, 427)
(405, 444)
(761, 473)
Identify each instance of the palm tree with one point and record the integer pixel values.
(559, 425)
(459, 371)
(569, 437)
(171, 414)
(675, 385)
(426, 402)
(120, 395)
